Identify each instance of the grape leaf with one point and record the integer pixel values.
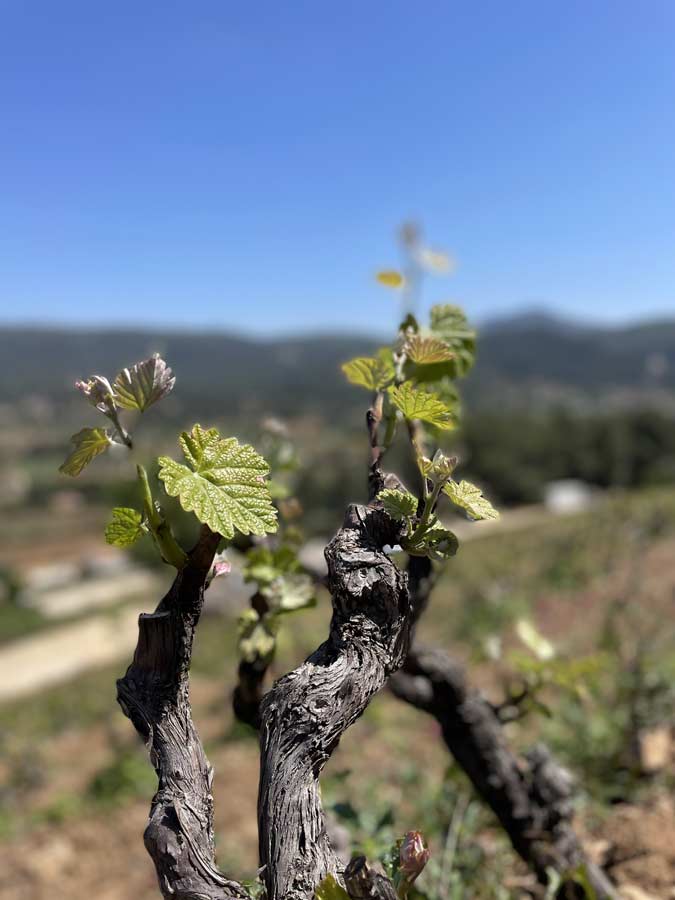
(125, 528)
(98, 392)
(290, 592)
(450, 324)
(441, 543)
(390, 278)
(257, 637)
(398, 504)
(264, 564)
(436, 542)
(371, 372)
(435, 261)
(470, 498)
(438, 469)
(329, 889)
(418, 404)
(427, 350)
(534, 640)
(223, 484)
(143, 384)
(89, 443)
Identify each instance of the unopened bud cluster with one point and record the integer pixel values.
(414, 855)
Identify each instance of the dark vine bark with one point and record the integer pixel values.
(306, 712)
(364, 883)
(533, 800)
(251, 673)
(155, 695)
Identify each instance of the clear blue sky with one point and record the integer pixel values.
(244, 165)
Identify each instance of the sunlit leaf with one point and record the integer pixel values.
(289, 592)
(450, 324)
(418, 404)
(264, 564)
(143, 384)
(257, 637)
(438, 469)
(441, 542)
(98, 392)
(329, 889)
(470, 498)
(398, 504)
(435, 261)
(534, 640)
(224, 483)
(390, 278)
(427, 350)
(437, 542)
(581, 877)
(372, 372)
(125, 528)
(89, 443)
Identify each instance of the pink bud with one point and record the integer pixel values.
(414, 855)
(98, 392)
(222, 567)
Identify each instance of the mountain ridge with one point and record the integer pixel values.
(519, 359)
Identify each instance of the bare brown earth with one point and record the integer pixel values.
(638, 841)
(67, 858)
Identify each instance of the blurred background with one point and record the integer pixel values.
(219, 183)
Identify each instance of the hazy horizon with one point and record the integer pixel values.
(538, 315)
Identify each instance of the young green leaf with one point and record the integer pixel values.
(98, 392)
(329, 889)
(398, 504)
(290, 592)
(390, 278)
(436, 542)
(224, 483)
(438, 469)
(449, 323)
(125, 528)
(257, 637)
(89, 443)
(370, 372)
(534, 640)
(143, 384)
(441, 543)
(435, 261)
(426, 351)
(470, 498)
(264, 564)
(418, 404)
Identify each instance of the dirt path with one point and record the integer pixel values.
(62, 653)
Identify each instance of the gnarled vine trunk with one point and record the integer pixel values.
(306, 712)
(302, 718)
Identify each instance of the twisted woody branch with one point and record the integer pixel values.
(305, 714)
(302, 717)
(532, 798)
(155, 695)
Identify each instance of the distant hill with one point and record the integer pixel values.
(522, 360)
(529, 352)
(218, 373)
